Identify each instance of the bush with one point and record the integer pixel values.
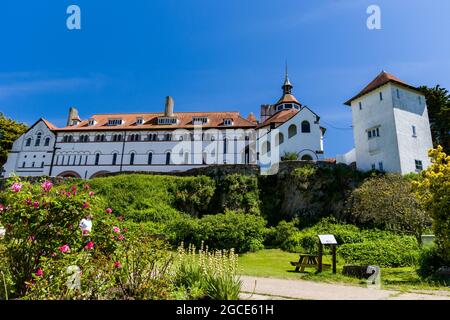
(281, 234)
(238, 192)
(243, 232)
(41, 224)
(385, 253)
(430, 261)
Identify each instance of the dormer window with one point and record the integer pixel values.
(92, 122)
(228, 122)
(139, 121)
(115, 122)
(167, 120)
(199, 120)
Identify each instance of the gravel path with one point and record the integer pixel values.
(270, 288)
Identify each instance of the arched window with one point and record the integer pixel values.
(38, 140)
(150, 158)
(167, 158)
(306, 127)
(292, 131)
(265, 147)
(307, 157)
(97, 159)
(47, 142)
(279, 139)
(114, 159)
(132, 158)
(28, 143)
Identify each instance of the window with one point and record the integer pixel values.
(373, 166)
(381, 96)
(38, 140)
(265, 147)
(47, 142)
(91, 122)
(398, 94)
(114, 159)
(288, 106)
(117, 137)
(132, 159)
(199, 120)
(419, 165)
(134, 137)
(150, 158)
(279, 139)
(97, 159)
(292, 131)
(167, 120)
(307, 157)
(306, 127)
(372, 133)
(23, 164)
(420, 100)
(227, 122)
(168, 137)
(139, 121)
(115, 122)
(225, 145)
(360, 105)
(167, 158)
(414, 131)
(42, 164)
(28, 143)
(380, 166)
(32, 165)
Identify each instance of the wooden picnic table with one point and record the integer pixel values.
(307, 261)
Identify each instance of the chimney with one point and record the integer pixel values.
(73, 115)
(169, 107)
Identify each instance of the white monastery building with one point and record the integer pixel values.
(391, 129)
(167, 141)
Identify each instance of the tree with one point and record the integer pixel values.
(388, 202)
(438, 102)
(434, 192)
(10, 130)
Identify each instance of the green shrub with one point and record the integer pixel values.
(243, 232)
(236, 192)
(281, 234)
(429, 262)
(401, 252)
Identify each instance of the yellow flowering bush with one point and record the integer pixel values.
(434, 193)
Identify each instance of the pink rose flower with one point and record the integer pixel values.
(68, 194)
(116, 229)
(117, 265)
(2, 208)
(86, 187)
(89, 246)
(39, 272)
(65, 248)
(91, 194)
(36, 204)
(31, 238)
(86, 205)
(47, 186)
(85, 232)
(109, 210)
(16, 187)
(120, 237)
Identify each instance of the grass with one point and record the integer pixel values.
(275, 263)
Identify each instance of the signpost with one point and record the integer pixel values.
(330, 240)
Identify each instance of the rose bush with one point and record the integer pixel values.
(41, 223)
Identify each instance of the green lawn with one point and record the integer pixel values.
(275, 263)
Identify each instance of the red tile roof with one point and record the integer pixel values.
(215, 120)
(380, 80)
(50, 125)
(280, 117)
(287, 98)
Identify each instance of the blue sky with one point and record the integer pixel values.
(213, 55)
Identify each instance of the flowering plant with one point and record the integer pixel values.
(41, 223)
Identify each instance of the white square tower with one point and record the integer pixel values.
(390, 126)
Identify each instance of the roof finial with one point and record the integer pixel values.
(286, 72)
(287, 86)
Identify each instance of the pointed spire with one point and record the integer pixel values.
(287, 86)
